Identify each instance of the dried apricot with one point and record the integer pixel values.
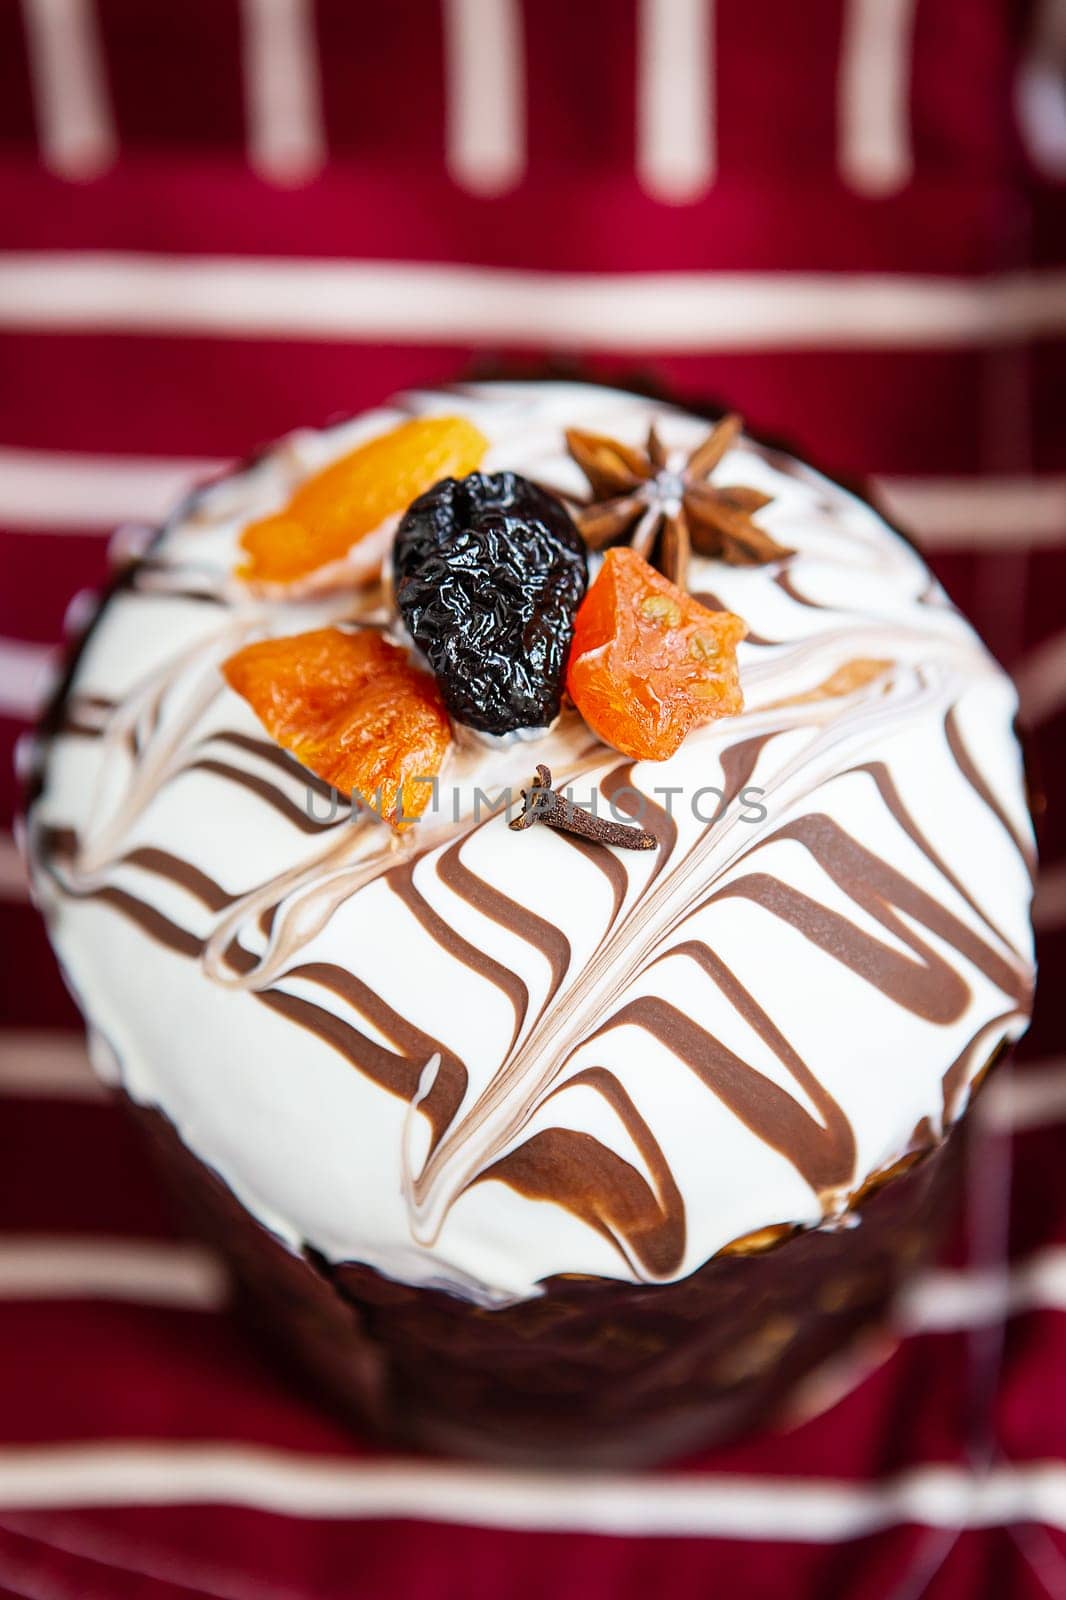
(352, 709)
(345, 502)
(648, 662)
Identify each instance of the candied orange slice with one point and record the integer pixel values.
(349, 499)
(352, 709)
(649, 663)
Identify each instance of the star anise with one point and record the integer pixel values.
(667, 511)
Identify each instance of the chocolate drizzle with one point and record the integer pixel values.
(181, 872)
(823, 1151)
(966, 765)
(500, 908)
(927, 986)
(298, 815)
(401, 881)
(399, 1070)
(645, 1220)
(618, 789)
(265, 750)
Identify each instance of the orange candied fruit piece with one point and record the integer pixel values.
(352, 709)
(648, 663)
(352, 497)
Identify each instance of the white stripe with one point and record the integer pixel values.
(187, 1277)
(57, 491)
(43, 1065)
(74, 121)
(181, 1276)
(874, 94)
(1041, 680)
(979, 513)
(1040, 89)
(1040, 99)
(27, 672)
(1025, 1097)
(13, 882)
(810, 1510)
(190, 1278)
(485, 132)
(940, 1302)
(286, 139)
(415, 303)
(675, 111)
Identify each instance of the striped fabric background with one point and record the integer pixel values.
(220, 218)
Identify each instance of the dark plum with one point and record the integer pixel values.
(489, 571)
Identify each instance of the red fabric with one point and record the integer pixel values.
(102, 1372)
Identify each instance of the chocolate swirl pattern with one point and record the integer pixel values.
(477, 1060)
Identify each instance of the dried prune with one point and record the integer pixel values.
(489, 571)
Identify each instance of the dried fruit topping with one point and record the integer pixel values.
(489, 571)
(649, 663)
(352, 709)
(349, 499)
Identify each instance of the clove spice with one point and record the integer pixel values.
(548, 805)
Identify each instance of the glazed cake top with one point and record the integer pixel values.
(475, 1058)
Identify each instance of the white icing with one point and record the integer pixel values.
(317, 1150)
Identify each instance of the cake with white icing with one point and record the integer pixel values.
(481, 1085)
